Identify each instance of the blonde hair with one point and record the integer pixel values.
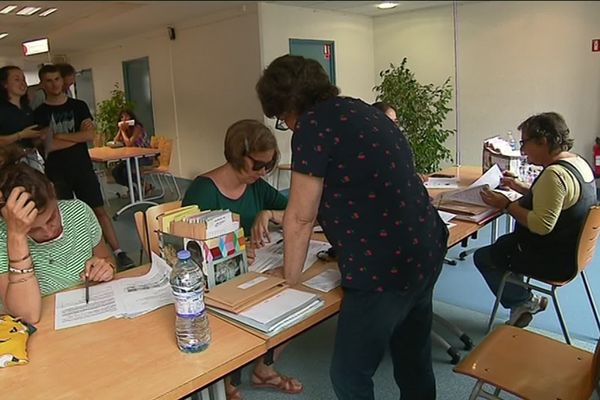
(245, 137)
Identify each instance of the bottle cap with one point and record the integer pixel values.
(183, 254)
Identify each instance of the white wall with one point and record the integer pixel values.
(201, 83)
(353, 37)
(426, 39)
(514, 59)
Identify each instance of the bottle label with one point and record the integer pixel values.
(189, 305)
(597, 161)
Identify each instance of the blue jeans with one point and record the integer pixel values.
(368, 323)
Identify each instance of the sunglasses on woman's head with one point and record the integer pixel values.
(257, 165)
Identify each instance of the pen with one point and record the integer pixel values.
(87, 290)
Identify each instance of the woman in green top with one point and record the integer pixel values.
(45, 245)
(251, 152)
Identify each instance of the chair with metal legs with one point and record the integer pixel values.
(586, 247)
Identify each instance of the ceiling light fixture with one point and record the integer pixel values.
(3, 35)
(8, 9)
(48, 12)
(387, 5)
(28, 11)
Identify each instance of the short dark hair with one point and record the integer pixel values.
(15, 173)
(380, 105)
(248, 136)
(65, 69)
(549, 125)
(292, 84)
(4, 74)
(48, 69)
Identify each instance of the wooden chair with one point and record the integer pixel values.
(165, 145)
(147, 226)
(530, 366)
(586, 247)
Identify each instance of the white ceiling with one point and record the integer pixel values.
(78, 25)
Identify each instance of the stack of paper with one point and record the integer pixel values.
(467, 203)
(277, 312)
(326, 281)
(271, 256)
(126, 297)
(206, 224)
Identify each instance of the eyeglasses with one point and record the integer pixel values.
(257, 165)
(523, 141)
(280, 125)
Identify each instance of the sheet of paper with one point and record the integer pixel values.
(71, 309)
(492, 178)
(441, 183)
(326, 281)
(278, 305)
(471, 195)
(271, 256)
(139, 295)
(446, 216)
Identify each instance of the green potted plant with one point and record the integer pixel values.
(107, 115)
(421, 111)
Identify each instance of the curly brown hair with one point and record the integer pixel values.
(14, 173)
(549, 125)
(292, 84)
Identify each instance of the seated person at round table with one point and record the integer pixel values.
(549, 217)
(251, 152)
(131, 133)
(46, 245)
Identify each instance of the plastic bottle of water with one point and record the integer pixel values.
(512, 141)
(191, 324)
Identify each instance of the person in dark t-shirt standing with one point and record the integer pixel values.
(353, 170)
(68, 163)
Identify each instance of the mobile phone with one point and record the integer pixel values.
(130, 122)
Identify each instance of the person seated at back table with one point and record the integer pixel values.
(549, 217)
(251, 152)
(46, 245)
(131, 133)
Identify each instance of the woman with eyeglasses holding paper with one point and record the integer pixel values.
(251, 152)
(46, 245)
(549, 217)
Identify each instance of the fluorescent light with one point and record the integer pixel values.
(386, 5)
(3, 35)
(48, 12)
(35, 47)
(7, 9)
(28, 11)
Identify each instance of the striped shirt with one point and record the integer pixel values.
(58, 263)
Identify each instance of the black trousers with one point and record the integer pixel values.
(368, 323)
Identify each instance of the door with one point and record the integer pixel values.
(322, 51)
(136, 78)
(84, 89)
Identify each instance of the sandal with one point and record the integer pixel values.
(277, 382)
(232, 393)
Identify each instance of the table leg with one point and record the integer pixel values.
(217, 390)
(133, 202)
(130, 181)
(136, 161)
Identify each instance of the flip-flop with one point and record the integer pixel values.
(285, 384)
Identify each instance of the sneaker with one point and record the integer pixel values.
(124, 262)
(522, 315)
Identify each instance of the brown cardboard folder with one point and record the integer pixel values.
(244, 291)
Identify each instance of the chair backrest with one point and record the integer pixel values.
(588, 237)
(165, 145)
(142, 230)
(152, 214)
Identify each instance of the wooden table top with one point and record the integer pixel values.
(124, 358)
(104, 154)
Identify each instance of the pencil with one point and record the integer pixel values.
(87, 290)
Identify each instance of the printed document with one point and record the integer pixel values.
(326, 281)
(271, 256)
(126, 297)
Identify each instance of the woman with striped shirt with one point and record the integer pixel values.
(46, 245)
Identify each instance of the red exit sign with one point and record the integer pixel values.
(595, 45)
